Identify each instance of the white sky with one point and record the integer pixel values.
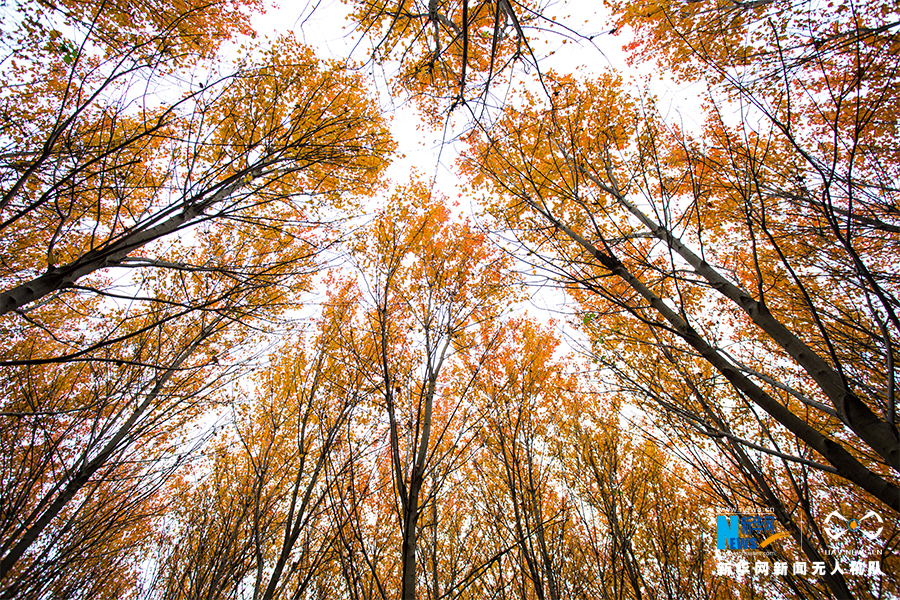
(323, 26)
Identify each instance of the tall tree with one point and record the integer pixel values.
(151, 225)
(433, 287)
(243, 148)
(253, 515)
(706, 241)
(86, 449)
(522, 385)
(448, 52)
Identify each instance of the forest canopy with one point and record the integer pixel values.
(240, 359)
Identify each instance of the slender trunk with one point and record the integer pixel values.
(410, 522)
(880, 435)
(90, 468)
(58, 278)
(846, 464)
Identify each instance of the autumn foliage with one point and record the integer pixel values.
(236, 361)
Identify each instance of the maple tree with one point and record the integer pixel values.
(164, 216)
(518, 390)
(78, 482)
(447, 51)
(754, 253)
(148, 240)
(435, 286)
(637, 509)
(244, 149)
(582, 505)
(254, 512)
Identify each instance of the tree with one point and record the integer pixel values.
(434, 289)
(257, 519)
(517, 466)
(243, 149)
(637, 508)
(757, 249)
(146, 239)
(86, 450)
(589, 506)
(448, 52)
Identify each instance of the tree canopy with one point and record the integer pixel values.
(238, 360)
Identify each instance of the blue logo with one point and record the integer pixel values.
(738, 532)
